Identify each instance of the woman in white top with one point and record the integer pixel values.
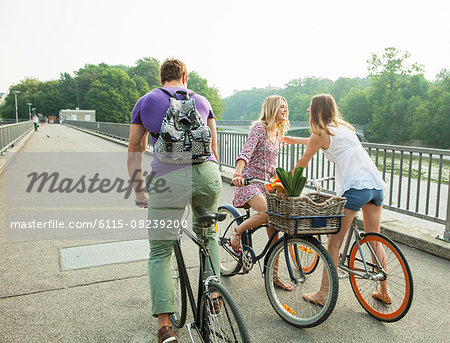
(357, 178)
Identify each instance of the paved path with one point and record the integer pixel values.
(111, 303)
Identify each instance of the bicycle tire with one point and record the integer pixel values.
(290, 305)
(229, 266)
(399, 278)
(178, 318)
(222, 323)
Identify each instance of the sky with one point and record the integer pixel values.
(235, 45)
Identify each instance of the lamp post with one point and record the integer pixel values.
(29, 108)
(15, 101)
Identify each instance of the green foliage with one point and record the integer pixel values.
(200, 86)
(356, 107)
(147, 68)
(431, 118)
(111, 90)
(293, 182)
(246, 105)
(120, 91)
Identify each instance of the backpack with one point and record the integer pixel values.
(183, 138)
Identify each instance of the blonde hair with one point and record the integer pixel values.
(324, 112)
(268, 115)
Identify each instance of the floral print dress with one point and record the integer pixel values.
(260, 156)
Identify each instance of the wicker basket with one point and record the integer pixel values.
(315, 213)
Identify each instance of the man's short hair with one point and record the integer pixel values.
(172, 69)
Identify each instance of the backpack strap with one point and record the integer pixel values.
(186, 95)
(164, 91)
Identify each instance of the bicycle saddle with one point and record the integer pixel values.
(207, 217)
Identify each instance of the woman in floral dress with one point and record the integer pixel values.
(258, 159)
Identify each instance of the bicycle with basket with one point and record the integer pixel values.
(294, 256)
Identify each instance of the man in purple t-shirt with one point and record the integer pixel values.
(170, 188)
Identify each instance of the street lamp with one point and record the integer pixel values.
(29, 108)
(15, 101)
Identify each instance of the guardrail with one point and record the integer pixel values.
(417, 178)
(10, 133)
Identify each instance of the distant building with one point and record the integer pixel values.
(81, 115)
(2, 97)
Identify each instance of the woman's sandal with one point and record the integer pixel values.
(277, 282)
(237, 240)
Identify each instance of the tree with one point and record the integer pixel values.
(69, 91)
(147, 68)
(342, 86)
(298, 103)
(390, 110)
(112, 94)
(49, 98)
(141, 85)
(246, 105)
(200, 86)
(28, 89)
(431, 119)
(356, 107)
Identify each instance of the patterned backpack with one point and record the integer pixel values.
(184, 138)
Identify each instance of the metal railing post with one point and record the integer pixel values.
(446, 237)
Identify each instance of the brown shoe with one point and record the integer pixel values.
(166, 335)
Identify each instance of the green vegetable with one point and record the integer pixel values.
(293, 182)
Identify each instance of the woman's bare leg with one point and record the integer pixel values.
(259, 204)
(334, 245)
(372, 222)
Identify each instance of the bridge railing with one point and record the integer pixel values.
(116, 130)
(417, 178)
(10, 133)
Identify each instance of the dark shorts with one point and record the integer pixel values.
(357, 198)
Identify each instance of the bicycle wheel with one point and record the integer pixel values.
(309, 265)
(178, 318)
(220, 319)
(229, 264)
(290, 305)
(398, 278)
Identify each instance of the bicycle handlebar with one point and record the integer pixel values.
(315, 182)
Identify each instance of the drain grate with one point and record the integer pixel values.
(94, 255)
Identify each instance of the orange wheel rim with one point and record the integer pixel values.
(405, 273)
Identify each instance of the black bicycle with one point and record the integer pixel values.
(291, 258)
(216, 318)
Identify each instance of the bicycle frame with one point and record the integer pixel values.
(357, 234)
(248, 242)
(202, 283)
(247, 239)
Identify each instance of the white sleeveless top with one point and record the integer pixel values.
(354, 167)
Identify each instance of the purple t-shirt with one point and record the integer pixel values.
(150, 111)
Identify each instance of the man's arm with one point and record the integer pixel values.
(137, 145)
(211, 122)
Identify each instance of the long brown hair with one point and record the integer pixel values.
(268, 115)
(323, 112)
